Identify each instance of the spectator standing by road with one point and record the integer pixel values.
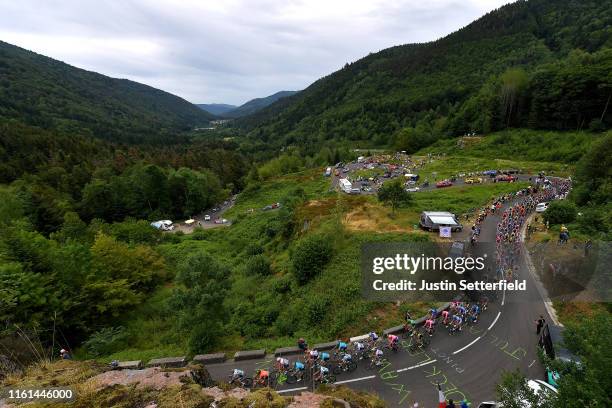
(539, 324)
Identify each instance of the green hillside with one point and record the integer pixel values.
(257, 104)
(541, 64)
(46, 93)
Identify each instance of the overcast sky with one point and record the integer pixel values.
(226, 51)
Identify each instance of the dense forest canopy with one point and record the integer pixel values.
(43, 92)
(540, 63)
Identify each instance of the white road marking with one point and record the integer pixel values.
(416, 366)
(463, 348)
(504, 297)
(369, 377)
(292, 389)
(494, 321)
(531, 363)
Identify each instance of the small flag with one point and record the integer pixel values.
(441, 398)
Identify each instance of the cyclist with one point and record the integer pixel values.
(461, 310)
(313, 355)
(475, 312)
(302, 345)
(419, 341)
(282, 364)
(325, 356)
(429, 326)
(319, 375)
(342, 346)
(445, 317)
(373, 336)
(457, 322)
(433, 314)
(237, 374)
(262, 376)
(393, 341)
(359, 346)
(378, 354)
(299, 366)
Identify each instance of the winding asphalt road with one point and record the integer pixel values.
(468, 365)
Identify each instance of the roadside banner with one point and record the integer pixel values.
(445, 232)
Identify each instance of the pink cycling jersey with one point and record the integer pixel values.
(429, 323)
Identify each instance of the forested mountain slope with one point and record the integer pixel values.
(257, 104)
(216, 108)
(43, 92)
(537, 63)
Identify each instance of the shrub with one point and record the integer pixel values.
(310, 256)
(253, 249)
(106, 341)
(259, 264)
(560, 212)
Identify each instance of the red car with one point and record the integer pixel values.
(506, 177)
(444, 183)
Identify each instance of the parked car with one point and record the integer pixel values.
(207, 217)
(413, 189)
(506, 177)
(473, 180)
(490, 173)
(541, 207)
(444, 183)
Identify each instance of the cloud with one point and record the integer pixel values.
(226, 51)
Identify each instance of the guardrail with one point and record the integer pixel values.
(217, 358)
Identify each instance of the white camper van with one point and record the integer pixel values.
(345, 185)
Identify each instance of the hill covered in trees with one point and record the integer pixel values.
(543, 64)
(257, 104)
(40, 91)
(216, 108)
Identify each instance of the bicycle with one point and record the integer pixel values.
(344, 367)
(242, 382)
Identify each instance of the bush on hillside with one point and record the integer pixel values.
(560, 212)
(259, 264)
(310, 256)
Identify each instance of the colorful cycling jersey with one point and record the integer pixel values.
(325, 356)
(429, 323)
(283, 361)
(347, 357)
(434, 313)
(373, 336)
(314, 354)
(324, 370)
(238, 373)
(457, 319)
(476, 309)
(445, 313)
(342, 345)
(393, 338)
(378, 353)
(359, 345)
(264, 374)
(299, 366)
(461, 309)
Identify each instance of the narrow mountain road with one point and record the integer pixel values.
(467, 365)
